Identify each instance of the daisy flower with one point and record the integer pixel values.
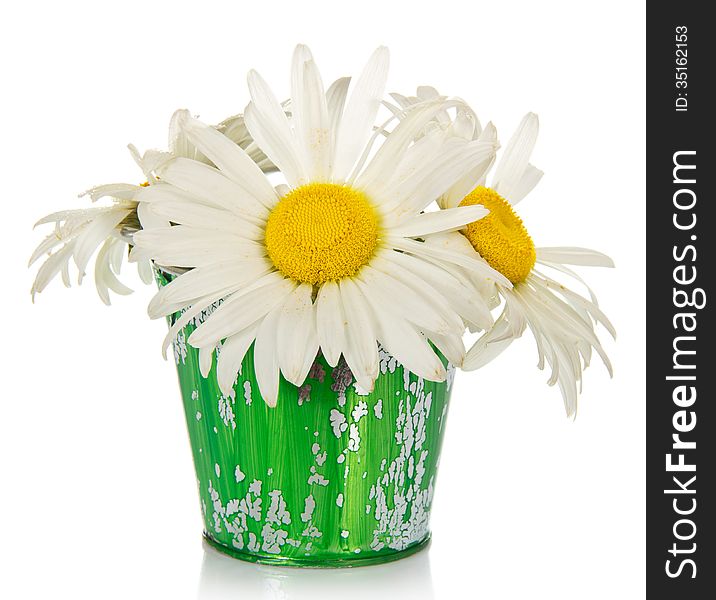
(332, 259)
(79, 233)
(107, 230)
(561, 320)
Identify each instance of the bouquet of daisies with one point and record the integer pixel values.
(312, 226)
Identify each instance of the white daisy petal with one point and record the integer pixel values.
(144, 268)
(182, 246)
(516, 156)
(490, 345)
(565, 320)
(361, 351)
(335, 101)
(574, 256)
(77, 216)
(104, 278)
(402, 101)
(179, 144)
(186, 316)
(115, 255)
(592, 309)
(468, 305)
(93, 235)
(309, 111)
(530, 178)
(46, 246)
(451, 347)
(472, 177)
(206, 355)
(233, 351)
(297, 342)
(449, 255)
(206, 280)
(266, 364)
(150, 219)
(149, 161)
(435, 179)
(269, 126)
(402, 340)
(242, 309)
(204, 217)
(427, 92)
(231, 160)
(165, 192)
(381, 168)
(464, 125)
(330, 323)
(55, 263)
(563, 339)
(65, 275)
(413, 306)
(209, 185)
(414, 161)
(567, 271)
(450, 219)
(359, 116)
(122, 191)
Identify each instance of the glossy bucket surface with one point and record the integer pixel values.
(332, 476)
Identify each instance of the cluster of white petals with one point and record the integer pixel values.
(203, 214)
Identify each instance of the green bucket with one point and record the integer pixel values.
(331, 477)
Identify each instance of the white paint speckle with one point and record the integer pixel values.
(310, 504)
(277, 512)
(354, 441)
(338, 422)
(387, 363)
(315, 448)
(217, 469)
(198, 416)
(317, 478)
(247, 392)
(360, 410)
(345, 533)
(238, 474)
(406, 521)
(339, 500)
(226, 409)
(378, 409)
(450, 375)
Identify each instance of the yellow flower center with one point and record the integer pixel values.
(322, 232)
(500, 237)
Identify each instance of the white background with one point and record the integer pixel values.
(98, 493)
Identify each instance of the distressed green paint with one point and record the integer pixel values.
(329, 477)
